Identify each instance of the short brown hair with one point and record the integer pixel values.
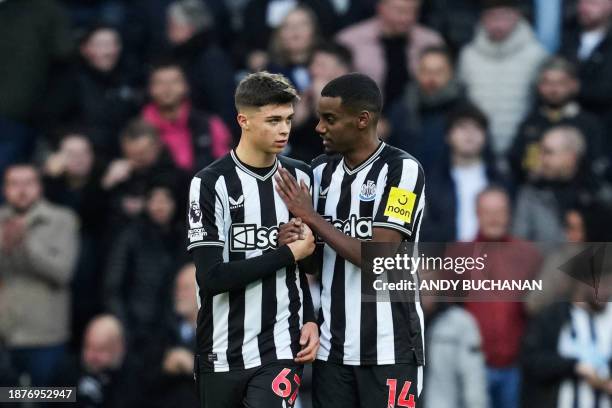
(138, 128)
(20, 165)
(263, 88)
(557, 63)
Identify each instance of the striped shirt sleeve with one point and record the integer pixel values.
(403, 201)
(204, 215)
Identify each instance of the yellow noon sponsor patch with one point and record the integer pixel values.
(400, 204)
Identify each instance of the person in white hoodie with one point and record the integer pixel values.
(499, 67)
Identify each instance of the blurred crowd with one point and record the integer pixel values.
(108, 107)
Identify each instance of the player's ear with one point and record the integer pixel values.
(363, 120)
(243, 121)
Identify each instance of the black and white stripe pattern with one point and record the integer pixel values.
(355, 332)
(586, 337)
(234, 207)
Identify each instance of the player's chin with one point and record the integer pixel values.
(277, 148)
(329, 150)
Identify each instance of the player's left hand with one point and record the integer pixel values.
(290, 232)
(296, 196)
(309, 340)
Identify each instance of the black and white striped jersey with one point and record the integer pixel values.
(585, 337)
(385, 191)
(237, 208)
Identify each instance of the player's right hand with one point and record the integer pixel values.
(302, 248)
(290, 232)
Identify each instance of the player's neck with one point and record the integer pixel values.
(252, 156)
(361, 152)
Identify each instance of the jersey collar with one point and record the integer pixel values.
(251, 173)
(366, 163)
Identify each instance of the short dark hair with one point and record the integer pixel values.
(16, 165)
(467, 111)
(161, 183)
(165, 62)
(59, 133)
(342, 53)
(438, 50)
(493, 188)
(263, 88)
(557, 63)
(94, 28)
(138, 128)
(358, 92)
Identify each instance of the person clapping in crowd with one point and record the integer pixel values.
(144, 162)
(72, 178)
(38, 250)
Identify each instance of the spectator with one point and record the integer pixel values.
(502, 323)
(328, 61)
(72, 179)
(141, 267)
(418, 119)
(562, 183)
(106, 87)
(591, 48)
(387, 47)
(455, 364)
(262, 17)
(38, 248)
(463, 173)
(193, 138)
(567, 351)
(34, 38)
(208, 69)
(173, 382)
(292, 45)
(103, 374)
(145, 36)
(144, 162)
(557, 90)
(499, 66)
